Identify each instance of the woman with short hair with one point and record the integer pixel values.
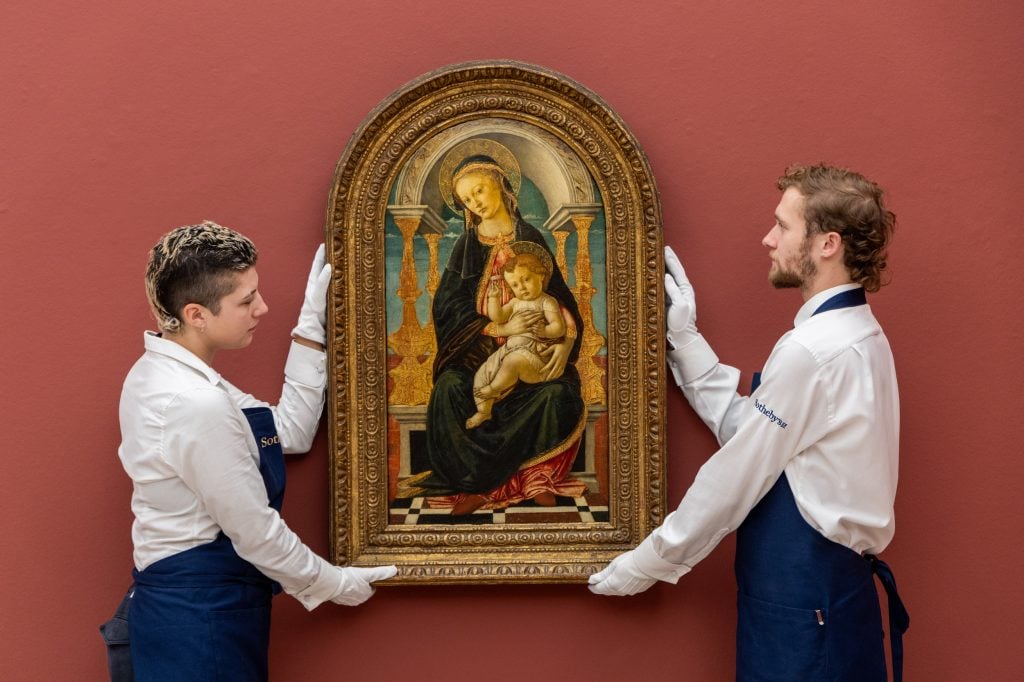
(207, 468)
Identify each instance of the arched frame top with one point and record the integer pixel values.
(568, 141)
(559, 174)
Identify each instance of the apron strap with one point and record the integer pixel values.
(272, 469)
(844, 299)
(899, 619)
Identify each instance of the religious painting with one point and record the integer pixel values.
(496, 332)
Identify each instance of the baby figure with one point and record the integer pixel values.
(520, 359)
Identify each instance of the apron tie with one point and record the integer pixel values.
(899, 619)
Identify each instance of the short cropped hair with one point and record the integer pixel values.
(842, 201)
(194, 264)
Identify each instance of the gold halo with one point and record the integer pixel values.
(505, 159)
(538, 251)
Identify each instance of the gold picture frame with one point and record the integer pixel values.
(516, 497)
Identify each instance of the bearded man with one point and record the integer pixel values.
(808, 462)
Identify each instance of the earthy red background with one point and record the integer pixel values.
(120, 120)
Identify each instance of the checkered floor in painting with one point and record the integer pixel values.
(591, 508)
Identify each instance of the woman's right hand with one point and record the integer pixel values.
(522, 322)
(313, 315)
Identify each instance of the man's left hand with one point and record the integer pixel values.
(620, 578)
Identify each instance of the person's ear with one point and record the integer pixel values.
(831, 244)
(195, 315)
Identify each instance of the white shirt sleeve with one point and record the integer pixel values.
(205, 443)
(789, 412)
(297, 414)
(709, 387)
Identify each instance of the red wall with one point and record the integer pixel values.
(120, 120)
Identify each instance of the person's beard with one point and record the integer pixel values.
(792, 275)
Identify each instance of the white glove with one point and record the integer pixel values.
(355, 583)
(620, 578)
(313, 315)
(689, 355)
(681, 318)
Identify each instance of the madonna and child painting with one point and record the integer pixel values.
(495, 286)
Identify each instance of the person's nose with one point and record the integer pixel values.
(261, 308)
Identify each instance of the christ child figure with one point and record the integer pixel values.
(522, 357)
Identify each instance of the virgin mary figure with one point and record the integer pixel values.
(526, 450)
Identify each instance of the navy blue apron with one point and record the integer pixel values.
(808, 608)
(204, 614)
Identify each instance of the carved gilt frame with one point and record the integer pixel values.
(404, 136)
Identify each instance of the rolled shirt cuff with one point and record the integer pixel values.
(692, 361)
(307, 366)
(650, 563)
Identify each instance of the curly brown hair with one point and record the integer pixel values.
(842, 201)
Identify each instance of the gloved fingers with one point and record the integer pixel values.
(609, 588)
(680, 313)
(622, 585)
(374, 573)
(609, 570)
(616, 586)
(602, 588)
(620, 578)
(313, 313)
(596, 578)
(355, 587)
(319, 260)
(675, 268)
(353, 599)
(682, 309)
(386, 572)
(323, 280)
(675, 294)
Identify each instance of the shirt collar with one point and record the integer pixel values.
(808, 308)
(157, 344)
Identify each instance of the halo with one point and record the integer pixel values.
(505, 159)
(538, 251)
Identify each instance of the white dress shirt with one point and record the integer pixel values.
(826, 413)
(194, 463)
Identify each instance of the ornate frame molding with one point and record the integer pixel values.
(397, 131)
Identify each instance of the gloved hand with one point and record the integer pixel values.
(681, 317)
(689, 356)
(620, 578)
(313, 315)
(355, 583)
